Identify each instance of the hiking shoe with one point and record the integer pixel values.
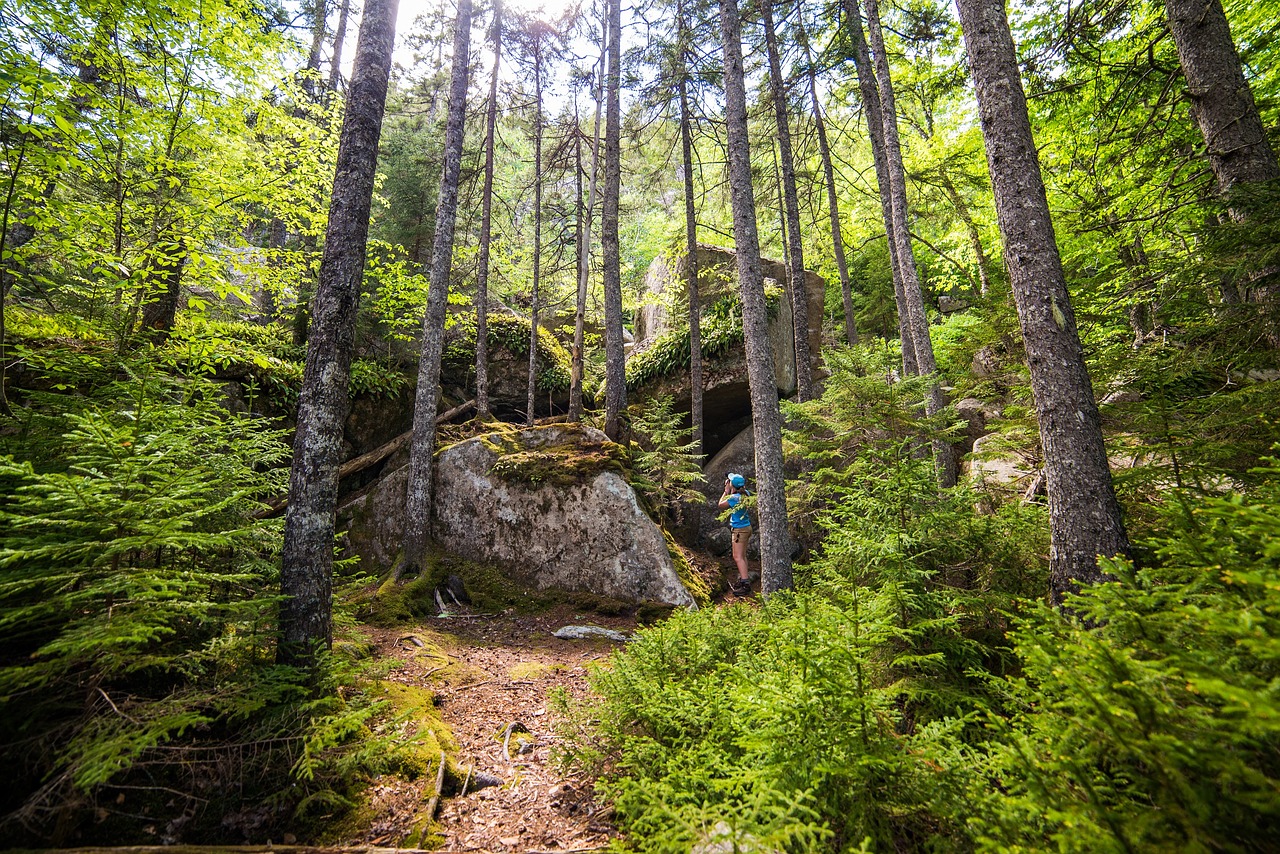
(740, 587)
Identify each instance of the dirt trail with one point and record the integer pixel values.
(498, 676)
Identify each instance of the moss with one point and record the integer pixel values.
(511, 334)
(395, 604)
(692, 581)
(576, 458)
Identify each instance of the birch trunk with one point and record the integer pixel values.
(771, 504)
(1084, 517)
(307, 562)
(422, 450)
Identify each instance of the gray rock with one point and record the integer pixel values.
(584, 632)
(587, 533)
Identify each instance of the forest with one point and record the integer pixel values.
(983, 299)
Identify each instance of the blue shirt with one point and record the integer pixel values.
(738, 518)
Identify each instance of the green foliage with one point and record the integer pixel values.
(1148, 716)
(721, 329)
(665, 464)
(510, 333)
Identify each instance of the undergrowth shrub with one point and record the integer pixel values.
(137, 630)
(1147, 717)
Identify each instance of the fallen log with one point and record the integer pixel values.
(277, 505)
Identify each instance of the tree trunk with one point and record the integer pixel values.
(944, 454)
(615, 399)
(975, 237)
(580, 314)
(828, 172)
(486, 227)
(427, 402)
(307, 561)
(537, 230)
(319, 12)
(875, 133)
(165, 285)
(775, 541)
(795, 253)
(1084, 517)
(691, 240)
(339, 36)
(1221, 100)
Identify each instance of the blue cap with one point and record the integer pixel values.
(737, 480)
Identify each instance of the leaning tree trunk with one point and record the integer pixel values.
(775, 541)
(537, 232)
(307, 564)
(615, 398)
(427, 402)
(691, 240)
(1084, 517)
(829, 173)
(944, 454)
(584, 265)
(873, 111)
(975, 237)
(486, 228)
(795, 253)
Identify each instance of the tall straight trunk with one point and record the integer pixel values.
(319, 12)
(615, 399)
(486, 227)
(771, 503)
(1221, 100)
(580, 313)
(944, 455)
(690, 239)
(795, 247)
(339, 36)
(537, 231)
(975, 238)
(782, 230)
(829, 174)
(1084, 517)
(874, 113)
(427, 402)
(307, 562)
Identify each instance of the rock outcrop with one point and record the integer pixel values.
(726, 391)
(548, 504)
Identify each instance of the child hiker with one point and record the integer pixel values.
(735, 489)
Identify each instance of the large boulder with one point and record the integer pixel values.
(548, 504)
(726, 391)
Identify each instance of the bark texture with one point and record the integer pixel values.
(615, 399)
(1084, 517)
(427, 401)
(691, 239)
(829, 174)
(584, 247)
(531, 398)
(1221, 100)
(791, 207)
(307, 564)
(873, 112)
(944, 455)
(339, 36)
(771, 505)
(486, 227)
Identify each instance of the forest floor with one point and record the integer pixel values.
(491, 674)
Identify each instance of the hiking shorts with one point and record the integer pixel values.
(742, 535)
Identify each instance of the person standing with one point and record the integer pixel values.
(735, 490)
